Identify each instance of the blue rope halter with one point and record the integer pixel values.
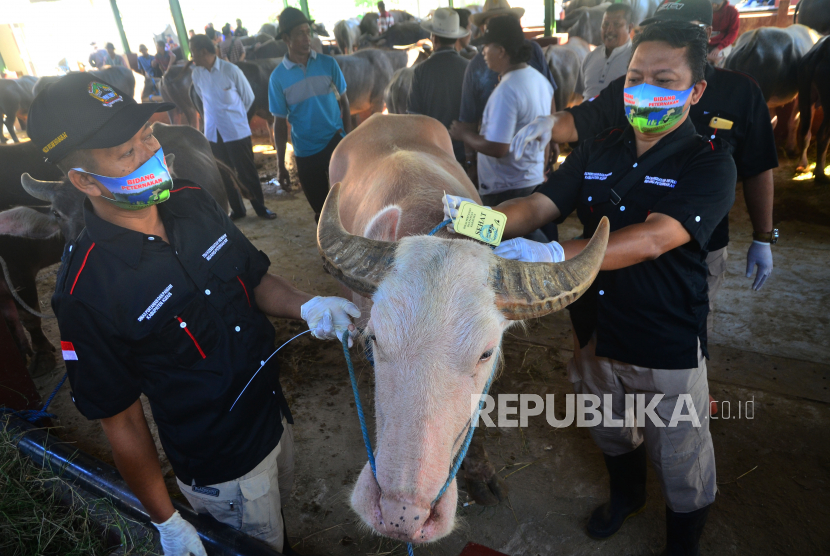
(459, 458)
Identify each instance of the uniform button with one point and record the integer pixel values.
(274, 392)
(697, 218)
(207, 292)
(262, 363)
(182, 324)
(635, 165)
(237, 328)
(602, 292)
(712, 137)
(622, 208)
(70, 248)
(151, 238)
(590, 198)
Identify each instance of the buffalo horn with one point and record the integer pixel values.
(531, 290)
(42, 190)
(357, 262)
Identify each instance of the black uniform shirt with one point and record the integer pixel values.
(650, 314)
(729, 95)
(179, 323)
(436, 90)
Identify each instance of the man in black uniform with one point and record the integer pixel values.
(171, 301)
(732, 108)
(641, 327)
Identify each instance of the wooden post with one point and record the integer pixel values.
(117, 14)
(181, 30)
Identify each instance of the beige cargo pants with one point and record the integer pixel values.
(682, 456)
(252, 503)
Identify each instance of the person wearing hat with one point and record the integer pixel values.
(480, 80)
(437, 82)
(226, 97)
(98, 56)
(520, 97)
(307, 90)
(162, 295)
(732, 108)
(640, 329)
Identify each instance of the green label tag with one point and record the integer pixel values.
(481, 223)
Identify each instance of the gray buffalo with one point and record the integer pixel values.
(814, 14)
(566, 66)
(29, 241)
(15, 99)
(813, 90)
(347, 34)
(16, 159)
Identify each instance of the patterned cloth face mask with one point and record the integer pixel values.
(652, 109)
(149, 185)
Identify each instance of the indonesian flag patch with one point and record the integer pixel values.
(68, 351)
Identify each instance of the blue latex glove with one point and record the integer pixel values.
(525, 250)
(760, 255)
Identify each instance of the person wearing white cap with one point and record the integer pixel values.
(437, 83)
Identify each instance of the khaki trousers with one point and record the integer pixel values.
(682, 456)
(716, 261)
(252, 503)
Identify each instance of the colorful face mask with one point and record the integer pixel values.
(652, 109)
(149, 185)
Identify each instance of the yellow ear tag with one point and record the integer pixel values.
(481, 223)
(720, 123)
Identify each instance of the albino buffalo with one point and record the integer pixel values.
(437, 308)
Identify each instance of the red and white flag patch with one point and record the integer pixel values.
(68, 351)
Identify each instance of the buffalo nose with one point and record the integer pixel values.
(402, 518)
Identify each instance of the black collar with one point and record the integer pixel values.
(685, 129)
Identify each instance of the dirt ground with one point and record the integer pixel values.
(770, 347)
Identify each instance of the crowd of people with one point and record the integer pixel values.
(665, 180)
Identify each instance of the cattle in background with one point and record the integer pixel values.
(397, 92)
(29, 242)
(584, 23)
(814, 14)
(188, 156)
(400, 34)
(369, 22)
(435, 331)
(814, 90)
(15, 99)
(565, 63)
(175, 87)
(771, 55)
(347, 35)
(368, 72)
(16, 159)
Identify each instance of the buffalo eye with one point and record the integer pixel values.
(487, 354)
(56, 214)
(372, 338)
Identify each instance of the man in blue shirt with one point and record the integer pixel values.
(308, 91)
(145, 65)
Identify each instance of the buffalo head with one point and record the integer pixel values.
(440, 308)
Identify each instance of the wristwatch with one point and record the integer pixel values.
(766, 237)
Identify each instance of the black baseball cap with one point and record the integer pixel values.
(682, 10)
(290, 18)
(504, 30)
(81, 111)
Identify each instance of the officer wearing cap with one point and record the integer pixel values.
(162, 295)
(732, 108)
(640, 328)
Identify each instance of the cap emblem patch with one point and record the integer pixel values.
(670, 5)
(104, 93)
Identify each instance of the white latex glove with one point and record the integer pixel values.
(329, 317)
(525, 250)
(179, 538)
(451, 204)
(760, 255)
(533, 137)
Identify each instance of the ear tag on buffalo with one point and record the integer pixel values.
(481, 223)
(720, 123)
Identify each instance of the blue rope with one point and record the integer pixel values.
(34, 415)
(459, 458)
(358, 405)
(439, 227)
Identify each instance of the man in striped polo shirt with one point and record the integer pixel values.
(308, 91)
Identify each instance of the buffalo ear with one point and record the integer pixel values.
(384, 226)
(169, 159)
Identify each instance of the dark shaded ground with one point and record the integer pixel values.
(772, 347)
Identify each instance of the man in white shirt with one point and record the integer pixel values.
(227, 96)
(609, 60)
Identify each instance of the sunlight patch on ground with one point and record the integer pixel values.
(264, 149)
(808, 175)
